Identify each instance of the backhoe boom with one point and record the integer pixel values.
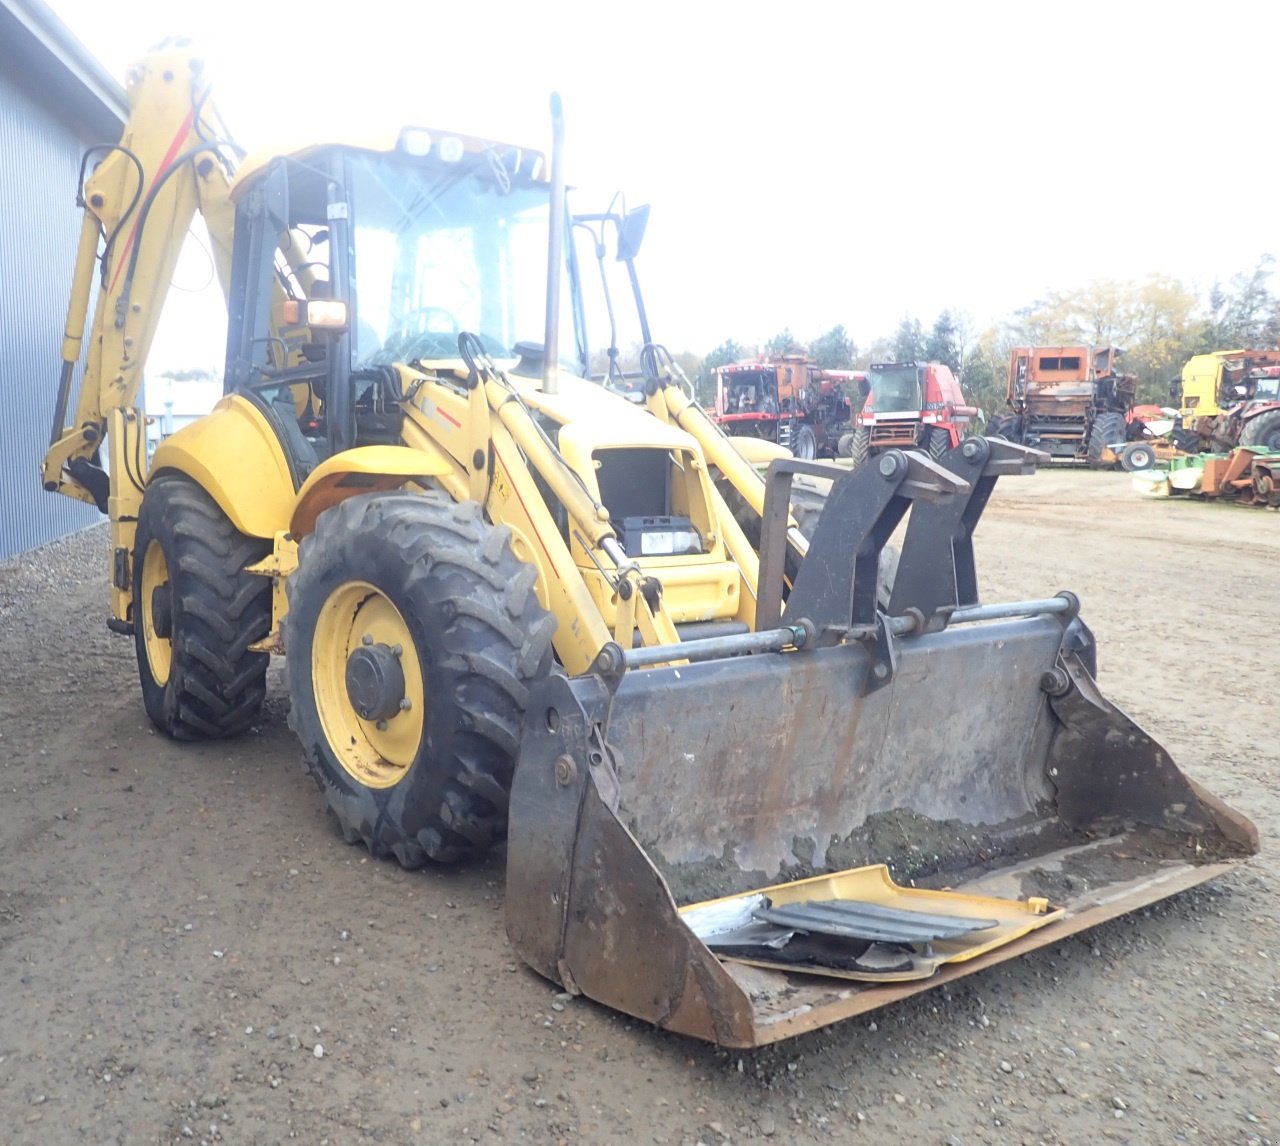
(138, 203)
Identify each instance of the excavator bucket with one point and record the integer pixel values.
(745, 845)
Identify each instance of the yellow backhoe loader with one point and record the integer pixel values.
(743, 793)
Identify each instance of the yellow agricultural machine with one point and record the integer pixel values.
(516, 605)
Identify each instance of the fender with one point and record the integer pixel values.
(1252, 411)
(365, 469)
(234, 455)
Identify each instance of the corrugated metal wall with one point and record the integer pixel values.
(39, 225)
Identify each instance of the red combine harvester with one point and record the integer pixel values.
(908, 405)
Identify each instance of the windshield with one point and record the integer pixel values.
(895, 390)
(749, 392)
(443, 249)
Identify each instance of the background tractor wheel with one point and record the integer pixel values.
(806, 445)
(414, 634)
(196, 612)
(1188, 441)
(860, 446)
(1108, 430)
(1000, 426)
(1137, 456)
(806, 508)
(937, 442)
(1262, 430)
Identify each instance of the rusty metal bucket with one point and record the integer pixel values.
(963, 746)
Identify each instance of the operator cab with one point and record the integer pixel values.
(896, 388)
(353, 264)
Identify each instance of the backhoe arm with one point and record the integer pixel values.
(138, 202)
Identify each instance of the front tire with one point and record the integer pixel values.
(1137, 456)
(938, 442)
(860, 446)
(1108, 430)
(196, 611)
(806, 444)
(413, 634)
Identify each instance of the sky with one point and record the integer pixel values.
(807, 164)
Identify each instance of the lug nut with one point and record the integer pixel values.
(366, 639)
(381, 726)
(397, 650)
(405, 704)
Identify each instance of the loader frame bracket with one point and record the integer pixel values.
(936, 572)
(837, 588)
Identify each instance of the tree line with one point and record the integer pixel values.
(1157, 320)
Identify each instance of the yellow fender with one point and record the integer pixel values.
(365, 469)
(234, 455)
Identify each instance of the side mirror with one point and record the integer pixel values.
(631, 233)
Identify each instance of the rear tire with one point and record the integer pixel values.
(1108, 430)
(1262, 430)
(416, 757)
(196, 611)
(1002, 426)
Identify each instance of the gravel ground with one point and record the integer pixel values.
(190, 953)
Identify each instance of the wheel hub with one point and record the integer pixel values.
(162, 612)
(375, 681)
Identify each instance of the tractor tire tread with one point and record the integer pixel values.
(1262, 430)
(938, 442)
(1108, 428)
(218, 682)
(494, 639)
(860, 447)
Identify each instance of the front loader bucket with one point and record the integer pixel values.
(960, 751)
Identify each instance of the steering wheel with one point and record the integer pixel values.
(423, 332)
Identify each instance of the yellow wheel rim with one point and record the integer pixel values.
(155, 575)
(376, 753)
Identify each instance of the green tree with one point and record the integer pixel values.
(784, 342)
(834, 350)
(983, 376)
(908, 341)
(704, 382)
(881, 350)
(944, 343)
(1244, 316)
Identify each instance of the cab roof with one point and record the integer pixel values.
(414, 143)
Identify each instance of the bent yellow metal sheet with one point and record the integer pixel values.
(1013, 918)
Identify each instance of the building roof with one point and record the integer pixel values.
(41, 53)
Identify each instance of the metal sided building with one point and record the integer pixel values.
(56, 100)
